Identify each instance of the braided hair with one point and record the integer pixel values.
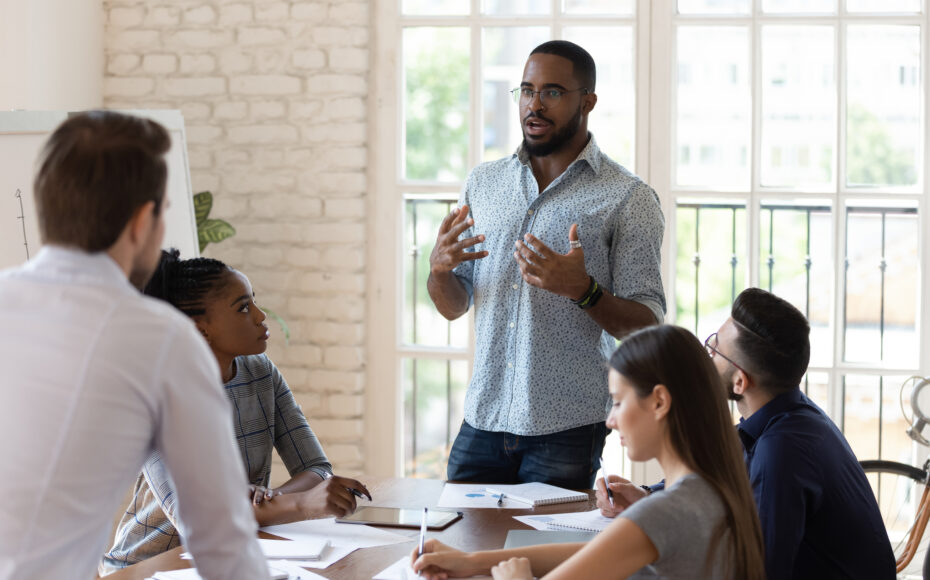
(185, 284)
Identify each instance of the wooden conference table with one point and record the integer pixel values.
(480, 529)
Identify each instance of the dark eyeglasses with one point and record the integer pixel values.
(549, 97)
(711, 345)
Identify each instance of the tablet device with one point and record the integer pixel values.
(401, 518)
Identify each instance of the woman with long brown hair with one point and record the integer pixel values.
(668, 405)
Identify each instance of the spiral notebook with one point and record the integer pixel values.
(591, 521)
(537, 493)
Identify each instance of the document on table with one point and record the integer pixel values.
(343, 538)
(591, 521)
(471, 495)
(401, 570)
(277, 569)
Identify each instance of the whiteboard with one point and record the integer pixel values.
(22, 134)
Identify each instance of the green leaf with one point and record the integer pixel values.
(213, 231)
(284, 329)
(203, 203)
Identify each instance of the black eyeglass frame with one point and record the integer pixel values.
(518, 95)
(712, 351)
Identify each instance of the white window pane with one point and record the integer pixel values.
(516, 6)
(438, 7)
(612, 7)
(710, 262)
(713, 107)
(796, 263)
(883, 5)
(798, 106)
(504, 54)
(872, 420)
(714, 6)
(422, 323)
(883, 114)
(434, 391)
(436, 74)
(613, 120)
(799, 6)
(817, 388)
(881, 286)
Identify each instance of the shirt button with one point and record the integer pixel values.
(511, 325)
(530, 212)
(509, 365)
(516, 287)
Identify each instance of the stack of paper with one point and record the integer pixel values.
(591, 521)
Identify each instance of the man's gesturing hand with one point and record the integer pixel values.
(562, 274)
(449, 250)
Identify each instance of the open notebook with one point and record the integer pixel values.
(537, 493)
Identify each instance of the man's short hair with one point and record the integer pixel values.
(773, 337)
(96, 170)
(583, 65)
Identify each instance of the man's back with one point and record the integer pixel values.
(818, 513)
(96, 378)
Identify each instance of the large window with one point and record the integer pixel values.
(785, 138)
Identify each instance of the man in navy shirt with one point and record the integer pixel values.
(818, 513)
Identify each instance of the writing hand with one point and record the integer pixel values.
(562, 274)
(439, 562)
(449, 250)
(330, 497)
(625, 494)
(513, 569)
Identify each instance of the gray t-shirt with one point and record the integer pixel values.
(681, 521)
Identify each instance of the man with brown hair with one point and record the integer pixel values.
(97, 376)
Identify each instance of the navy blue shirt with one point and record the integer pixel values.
(818, 513)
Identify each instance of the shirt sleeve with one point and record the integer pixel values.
(636, 251)
(295, 442)
(465, 271)
(196, 441)
(785, 485)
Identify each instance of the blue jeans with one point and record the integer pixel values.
(567, 459)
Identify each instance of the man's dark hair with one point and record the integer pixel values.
(96, 170)
(583, 65)
(773, 337)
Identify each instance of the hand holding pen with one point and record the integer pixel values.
(422, 546)
(623, 491)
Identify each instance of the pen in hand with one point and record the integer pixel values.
(422, 534)
(610, 493)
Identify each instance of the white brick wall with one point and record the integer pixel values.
(274, 96)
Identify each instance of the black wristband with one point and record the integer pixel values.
(591, 296)
(647, 488)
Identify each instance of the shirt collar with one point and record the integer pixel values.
(751, 429)
(77, 265)
(591, 153)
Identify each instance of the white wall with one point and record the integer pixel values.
(51, 54)
(274, 95)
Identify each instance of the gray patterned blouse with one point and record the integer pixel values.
(265, 418)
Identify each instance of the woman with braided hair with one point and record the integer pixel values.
(221, 303)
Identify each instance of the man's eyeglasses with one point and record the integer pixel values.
(711, 345)
(548, 97)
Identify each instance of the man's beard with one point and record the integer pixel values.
(557, 141)
(727, 378)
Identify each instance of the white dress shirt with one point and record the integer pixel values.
(95, 378)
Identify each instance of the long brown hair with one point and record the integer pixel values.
(700, 430)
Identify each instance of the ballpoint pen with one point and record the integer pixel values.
(610, 493)
(500, 500)
(422, 534)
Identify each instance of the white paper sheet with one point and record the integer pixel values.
(343, 538)
(296, 571)
(466, 495)
(592, 521)
(401, 570)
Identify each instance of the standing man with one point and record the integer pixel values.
(563, 257)
(97, 376)
(818, 513)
